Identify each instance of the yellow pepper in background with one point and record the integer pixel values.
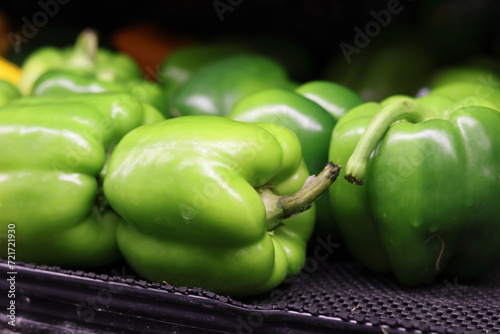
(9, 71)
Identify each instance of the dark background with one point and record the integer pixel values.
(460, 27)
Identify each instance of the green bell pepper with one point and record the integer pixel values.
(64, 81)
(430, 189)
(473, 74)
(217, 87)
(75, 81)
(84, 55)
(444, 104)
(8, 92)
(335, 98)
(214, 203)
(312, 124)
(53, 155)
(122, 109)
(385, 67)
(289, 52)
(180, 65)
(470, 92)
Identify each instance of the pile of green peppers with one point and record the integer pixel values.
(218, 174)
(93, 168)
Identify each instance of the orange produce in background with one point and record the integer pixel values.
(148, 45)
(4, 30)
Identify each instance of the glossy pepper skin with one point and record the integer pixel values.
(84, 55)
(180, 65)
(52, 159)
(335, 98)
(430, 187)
(73, 81)
(311, 123)
(125, 110)
(302, 112)
(198, 194)
(470, 92)
(217, 87)
(476, 82)
(481, 75)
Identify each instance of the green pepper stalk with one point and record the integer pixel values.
(214, 203)
(311, 112)
(283, 207)
(85, 50)
(85, 55)
(412, 217)
(402, 109)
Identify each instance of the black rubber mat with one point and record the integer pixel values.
(329, 296)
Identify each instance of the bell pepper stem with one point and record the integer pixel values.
(282, 207)
(85, 49)
(397, 110)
